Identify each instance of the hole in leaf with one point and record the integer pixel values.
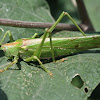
(95, 95)
(77, 81)
(86, 89)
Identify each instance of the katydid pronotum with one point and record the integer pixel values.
(34, 49)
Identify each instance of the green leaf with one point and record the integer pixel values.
(31, 82)
(29, 10)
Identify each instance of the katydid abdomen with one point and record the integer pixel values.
(61, 46)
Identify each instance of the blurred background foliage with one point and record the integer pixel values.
(92, 6)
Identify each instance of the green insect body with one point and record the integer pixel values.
(33, 49)
(61, 46)
(67, 46)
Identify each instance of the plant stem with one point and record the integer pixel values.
(40, 25)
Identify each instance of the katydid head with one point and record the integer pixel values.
(11, 49)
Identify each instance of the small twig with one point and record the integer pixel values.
(84, 15)
(42, 25)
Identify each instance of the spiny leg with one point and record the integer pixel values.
(15, 61)
(48, 31)
(65, 13)
(46, 70)
(10, 37)
(59, 19)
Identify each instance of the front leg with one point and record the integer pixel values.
(15, 61)
(10, 37)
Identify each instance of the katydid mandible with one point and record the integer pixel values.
(34, 49)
